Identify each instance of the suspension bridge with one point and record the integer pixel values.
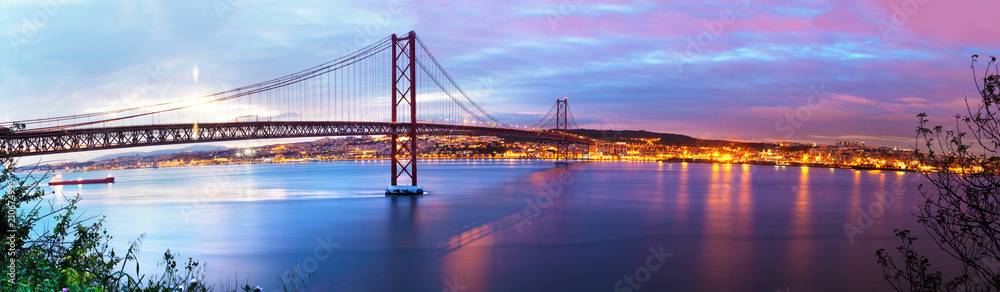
(381, 89)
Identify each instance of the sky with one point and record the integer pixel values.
(749, 70)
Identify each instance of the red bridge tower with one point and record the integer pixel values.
(404, 91)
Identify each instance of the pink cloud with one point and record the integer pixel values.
(912, 99)
(970, 23)
(852, 99)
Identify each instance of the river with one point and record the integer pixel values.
(515, 225)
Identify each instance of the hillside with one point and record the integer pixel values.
(666, 139)
(193, 148)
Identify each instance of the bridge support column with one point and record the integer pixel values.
(562, 125)
(404, 90)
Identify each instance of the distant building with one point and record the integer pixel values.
(850, 144)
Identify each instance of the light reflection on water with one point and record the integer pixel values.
(730, 227)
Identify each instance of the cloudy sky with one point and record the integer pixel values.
(802, 70)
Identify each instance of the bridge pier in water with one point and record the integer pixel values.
(404, 89)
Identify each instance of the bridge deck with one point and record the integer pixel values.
(89, 139)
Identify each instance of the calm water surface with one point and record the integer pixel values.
(725, 227)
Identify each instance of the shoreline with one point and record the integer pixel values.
(793, 164)
(304, 160)
(701, 161)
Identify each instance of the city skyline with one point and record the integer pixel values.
(626, 65)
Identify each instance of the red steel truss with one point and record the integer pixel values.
(75, 140)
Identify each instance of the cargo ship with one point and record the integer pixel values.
(82, 181)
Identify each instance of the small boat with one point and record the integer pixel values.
(562, 162)
(82, 181)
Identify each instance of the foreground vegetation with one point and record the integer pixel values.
(48, 247)
(961, 209)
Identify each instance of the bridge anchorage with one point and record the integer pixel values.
(342, 97)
